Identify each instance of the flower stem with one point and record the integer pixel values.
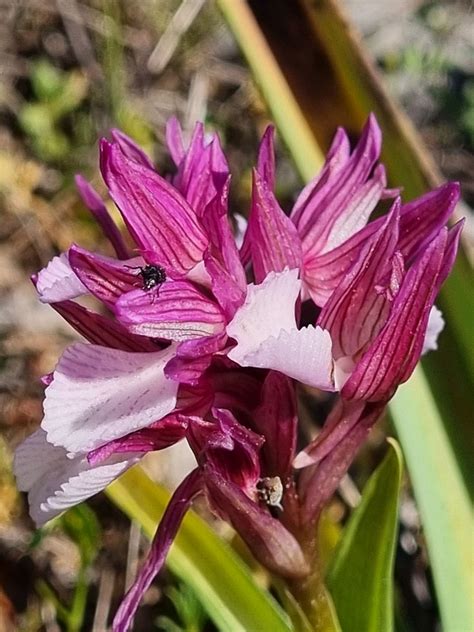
(310, 592)
(315, 601)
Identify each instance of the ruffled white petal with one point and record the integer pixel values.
(303, 354)
(56, 481)
(267, 336)
(268, 308)
(99, 394)
(435, 327)
(58, 282)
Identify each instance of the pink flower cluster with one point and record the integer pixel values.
(201, 340)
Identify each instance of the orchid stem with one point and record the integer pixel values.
(310, 592)
(315, 601)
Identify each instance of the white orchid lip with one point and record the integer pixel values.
(58, 281)
(56, 480)
(267, 336)
(99, 394)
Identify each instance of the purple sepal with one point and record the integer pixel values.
(202, 171)
(131, 149)
(276, 419)
(165, 534)
(222, 259)
(305, 208)
(358, 308)
(273, 238)
(95, 204)
(337, 194)
(105, 278)
(160, 220)
(420, 221)
(392, 356)
(174, 140)
(100, 330)
(323, 273)
(423, 218)
(266, 158)
(272, 545)
(176, 311)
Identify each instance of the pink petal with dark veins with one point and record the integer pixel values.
(175, 311)
(160, 220)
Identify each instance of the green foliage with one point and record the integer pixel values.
(57, 94)
(188, 608)
(80, 524)
(442, 499)
(360, 578)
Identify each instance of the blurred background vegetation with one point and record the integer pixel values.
(72, 69)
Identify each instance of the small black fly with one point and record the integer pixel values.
(152, 276)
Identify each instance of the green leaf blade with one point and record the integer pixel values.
(360, 578)
(442, 499)
(202, 560)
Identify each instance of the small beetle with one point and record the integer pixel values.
(152, 276)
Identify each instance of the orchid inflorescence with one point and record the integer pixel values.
(190, 349)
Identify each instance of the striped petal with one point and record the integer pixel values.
(104, 277)
(162, 223)
(327, 210)
(271, 235)
(100, 330)
(358, 308)
(177, 311)
(96, 205)
(391, 358)
(131, 149)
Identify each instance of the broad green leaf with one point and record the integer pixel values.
(442, 499)
(360, 578)
(200, 558)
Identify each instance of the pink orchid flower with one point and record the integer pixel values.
(205, 342)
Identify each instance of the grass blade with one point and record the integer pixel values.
(442, 499)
